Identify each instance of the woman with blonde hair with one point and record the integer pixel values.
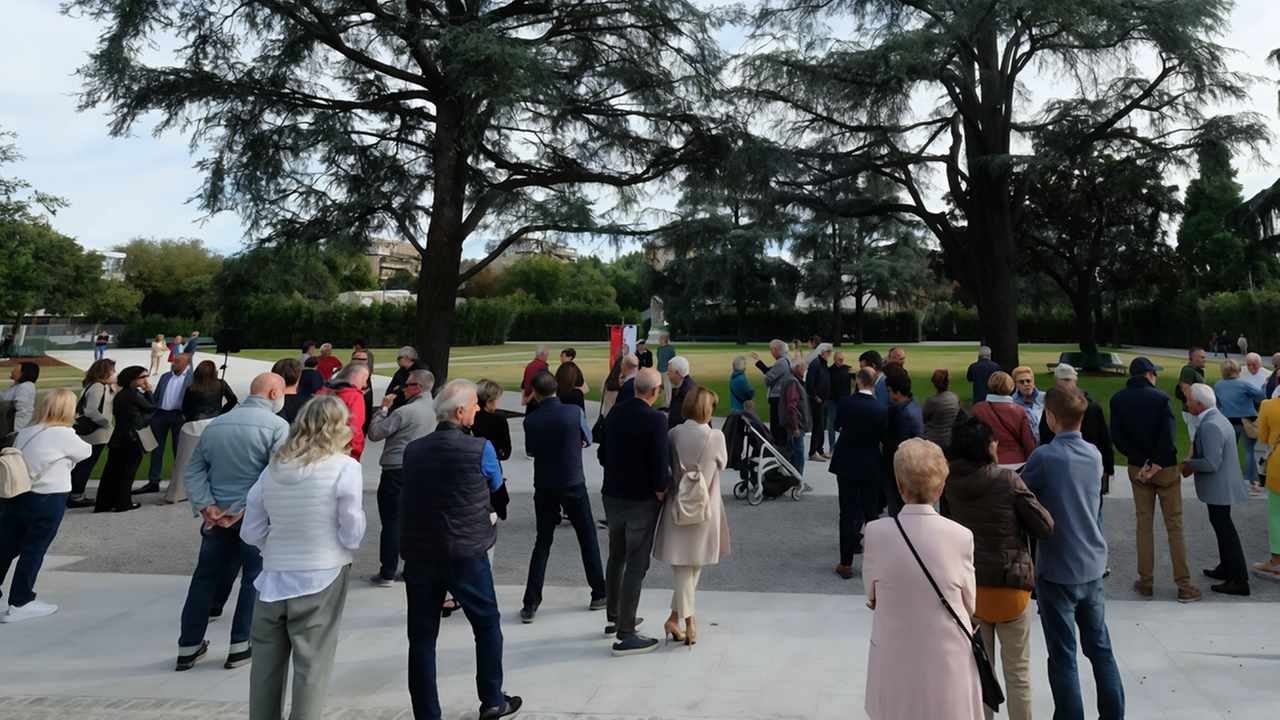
(28, 522)
(158, 350)
(912, 633)
(1029, 397)
(1007, 419)
(691, 534)
(305, 513)
(97, 401)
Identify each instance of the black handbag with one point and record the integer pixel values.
(992, 694)
(83, 425)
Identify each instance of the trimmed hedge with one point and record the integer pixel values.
(571, 322)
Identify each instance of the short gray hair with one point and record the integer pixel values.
(630, 362)
(425, 379)
(408, 351)
(739, 363)
(452, 397)
(984, 351)
(542, 351)
(664, 334)
(1253, 357)
(775, 344)
(351, 370)
(1204, 395)
(680, 365)
(326, 345)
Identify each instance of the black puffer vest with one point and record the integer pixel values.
(445, 501)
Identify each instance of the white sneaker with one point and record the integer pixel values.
(33, 609)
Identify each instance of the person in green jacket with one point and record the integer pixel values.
(665, 353)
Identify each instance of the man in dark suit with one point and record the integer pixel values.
(980, 372)
(637, 470)
(558, 432)
(166, 422)
(905, 421)
(630, 367)
(818, 384)
(862, 422)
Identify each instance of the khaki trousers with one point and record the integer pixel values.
(304, 630)
(1166, 486)
(1015, 661)
(686, 582)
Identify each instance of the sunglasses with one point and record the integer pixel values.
(413, 384)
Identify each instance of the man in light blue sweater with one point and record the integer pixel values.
(233, 451)
(1066, 476)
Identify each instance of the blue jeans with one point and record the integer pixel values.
(1250, 464)
(28, 524)
(577, 506)
(829, 418)
(99, 351)
(220, 550)
(794, 451)
(164, 423)
(389, 514)
(1062, 608)
(470, 582)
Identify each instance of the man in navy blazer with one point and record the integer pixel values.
(557, 433)
(905, 421)
(167, 420)
(637, 471)
(862, 421)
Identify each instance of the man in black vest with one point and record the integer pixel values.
(558, 432)
(637, 471)
(447, 478)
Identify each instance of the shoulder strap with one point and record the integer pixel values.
(28, 442)
(968, 631)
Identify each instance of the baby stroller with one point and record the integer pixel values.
(764, 470)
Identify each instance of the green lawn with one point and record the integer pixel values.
(711, 366)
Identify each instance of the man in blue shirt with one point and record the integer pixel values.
(1066, 476)
(558, 432)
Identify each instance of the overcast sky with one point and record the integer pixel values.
(120, 188)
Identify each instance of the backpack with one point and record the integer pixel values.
(692, 504)
(15, 478)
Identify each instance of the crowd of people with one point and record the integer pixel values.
(275, 478)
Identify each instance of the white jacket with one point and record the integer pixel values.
(50, 452)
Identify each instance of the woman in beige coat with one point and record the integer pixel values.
(686, 548)
(158, 350)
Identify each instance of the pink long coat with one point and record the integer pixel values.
(703, 543)
(920, 666)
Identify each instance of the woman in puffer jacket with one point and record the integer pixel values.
(997, 507)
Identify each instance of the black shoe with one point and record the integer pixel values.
(1231, 588)
(611, 630)
(148, 488)
(80, 502)
(132, 506)
(1216, 574)
(447, 611)
(602, 524)
(214, 614)
(186, 662)
(236, 659)
(598, 604)
(635, 645)
(510, 706)
(857, 549)
(526, 615)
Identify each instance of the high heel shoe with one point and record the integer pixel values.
(691, 636)
(671, 631)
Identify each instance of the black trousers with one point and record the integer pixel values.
(780, 434)
(1230, 554)
(818, 439)
(859, 505)
(114, 489)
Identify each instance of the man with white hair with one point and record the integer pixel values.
(414, 419)
(773, 377)
(1219, 484)
(681, 384)
(328, 363)
(408, 361)
(232, 453)
(448, 476)
(1253, 372)
(980, 372)
(349, 386)
(535, 366)
(818, 385)
(627, 378)
(1093, 428)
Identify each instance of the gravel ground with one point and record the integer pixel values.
(779, 546)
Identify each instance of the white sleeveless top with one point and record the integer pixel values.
(302, 505)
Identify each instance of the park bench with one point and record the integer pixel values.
(1091, 361)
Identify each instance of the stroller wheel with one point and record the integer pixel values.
(755, 498)
(740, 490)
(797, 492)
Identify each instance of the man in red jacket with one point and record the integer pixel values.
(348, 385)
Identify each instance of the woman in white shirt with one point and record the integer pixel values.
(22, 394)
(305, 513)
(29, 522)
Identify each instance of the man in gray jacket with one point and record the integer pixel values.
(412, 420)
(1219, 484)
(773, 377)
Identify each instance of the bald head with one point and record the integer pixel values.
(630, 363)
(648, 385)
(268, 385)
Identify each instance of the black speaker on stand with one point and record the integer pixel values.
(228, 342)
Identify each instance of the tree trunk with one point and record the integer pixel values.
(859, 305)
(442, 258)
(836, 330)
(1082, 304)
(740, 308)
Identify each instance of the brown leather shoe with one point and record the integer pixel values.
(845, 571)
(1143, 590)
(1187, 595)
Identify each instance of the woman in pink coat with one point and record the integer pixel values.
(921, 665)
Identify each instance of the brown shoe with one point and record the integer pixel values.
(1143, 590)
(1187, 595)
(845, 571)
(817, 458)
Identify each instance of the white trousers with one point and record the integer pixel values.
(686, 582)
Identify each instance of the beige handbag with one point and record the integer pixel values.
(1250, 428)
(147, 440)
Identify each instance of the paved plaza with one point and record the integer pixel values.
(780, 635)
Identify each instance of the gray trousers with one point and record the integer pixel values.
(632, 524)
(304, 629)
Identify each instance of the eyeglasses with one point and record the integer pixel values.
(413, 384)
(1025, 381)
